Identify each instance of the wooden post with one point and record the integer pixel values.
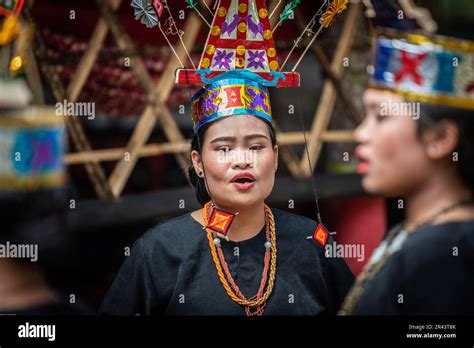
(283, 138)
(328, 96)
(33, 77)
(79, 139)
(289, 156)
(88, 59)
(159, 95)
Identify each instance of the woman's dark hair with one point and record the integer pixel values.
(196, 144)
(431, 115)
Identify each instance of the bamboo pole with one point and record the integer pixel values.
(104, 155)
(156, 106)
(328, 96)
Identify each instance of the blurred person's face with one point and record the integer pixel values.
(394, 161)
(233, 146)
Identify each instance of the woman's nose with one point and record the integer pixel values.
(362, 133)
(243, 159)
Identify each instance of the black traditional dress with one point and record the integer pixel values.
(431, 272)
(171, 272)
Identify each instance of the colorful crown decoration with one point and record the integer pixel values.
(31, 150)
(230, 96)
(240, 38)
(429, 69)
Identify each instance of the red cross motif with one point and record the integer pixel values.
(409, 67)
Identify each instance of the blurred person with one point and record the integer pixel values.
(417, 144)
(33, 209)
(32, 187)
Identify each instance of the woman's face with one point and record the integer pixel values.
(394, 161)
(238, 145)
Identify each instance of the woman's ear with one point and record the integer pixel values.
(197, 163)
(441, 140)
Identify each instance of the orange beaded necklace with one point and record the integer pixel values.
(256, 304)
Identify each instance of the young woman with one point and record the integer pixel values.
(264, 264)
(425, 265)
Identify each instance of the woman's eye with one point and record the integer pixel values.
(256, 147)
(224, 149)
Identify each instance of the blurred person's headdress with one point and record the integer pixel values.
(433, 69)
(410, 60)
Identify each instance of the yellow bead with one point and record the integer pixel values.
(221, 12)
(267, 34)
(205, 63)
(240, 49)
(274, 65)
(242, 8)
(242, 27)
(262, 13)
(271, 52)
(16, 63)
(210, 49)
(215, 30)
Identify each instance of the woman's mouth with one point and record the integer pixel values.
(243, 182)
(362, 168)
(363, 165)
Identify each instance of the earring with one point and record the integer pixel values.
(200, 174)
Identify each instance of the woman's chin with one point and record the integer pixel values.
(372, 186)
(380, 188)
(243, 201)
